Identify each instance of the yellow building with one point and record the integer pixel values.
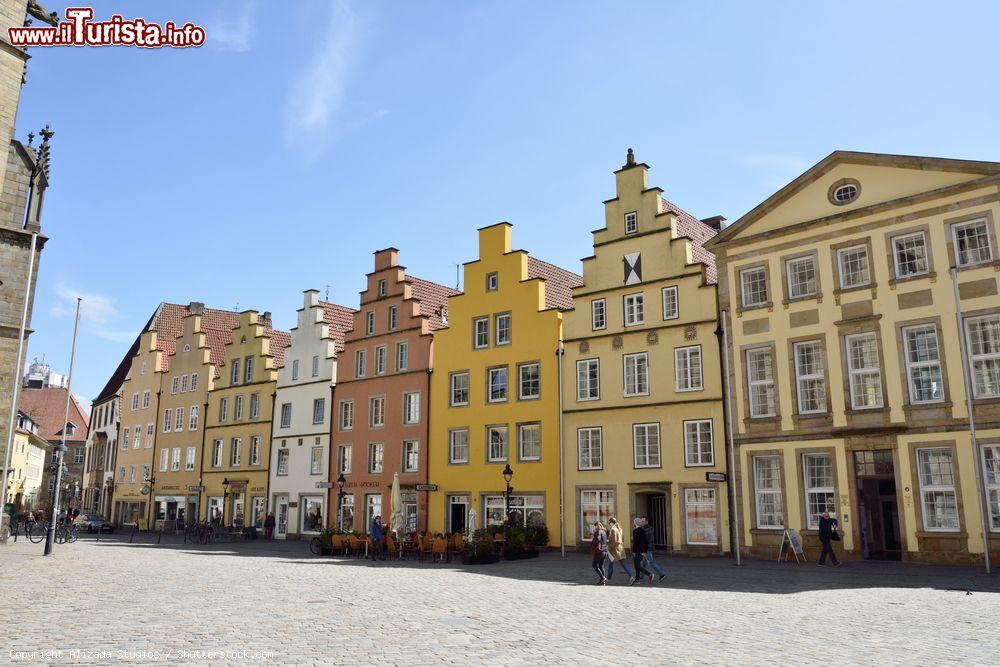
(847, 365)
(235, 459)
(495, 391)
(642, 401)
(27, 464)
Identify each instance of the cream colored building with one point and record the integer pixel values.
(642, 398)
(847, 369)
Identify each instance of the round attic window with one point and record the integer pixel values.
(844, 191)
(187, 348)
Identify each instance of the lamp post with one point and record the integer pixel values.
(225, 498)
(340, 501)
(507, 475)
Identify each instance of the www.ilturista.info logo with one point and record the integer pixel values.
(79, 30)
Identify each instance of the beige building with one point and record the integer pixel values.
(642, 398)
(847, 368)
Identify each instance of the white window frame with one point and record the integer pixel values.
(194, 382)
(254, 405)
(286, 415)
(806, 382)
(991, 480)
(503, 454)
(168, 422)
(984, 367)
(164, 459)
(458, 439)
(235, 452)
(191, 456)
(595, 505)
(402, 356)
(319, 410)
(178, 419)
(638, 385)
(632, 222)
(295, 369)
(360, 363)
(346, 415)
(695, 434)
(376, 412)
(490, 374)
(796, 290)
(760, 493)
(193, 415)
(376, 458)
(652, 450)
(315, 366)
(393, 318)
(590, 448)
(521, 368)
(930, 365)
(989, 242)
(856, 375)
(634, 309)
(926, 488)
(747, 298)
(827, 492)
(452, 388)
(411, 408)
(692, 500)
(589, 389)
(492, 282)
(670, 300)
(281, 466)
(480, 337)
(521, 428)
(175, 459)
(843, 274)
(345, 458)
(409, 444)
(370, 323)
(689, 353)
(598, 322)
(381, 359)
(381, 287)
(897, 265)
(502, 324)
(217, 452)
(316, 460)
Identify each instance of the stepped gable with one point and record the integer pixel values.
(341, 320)
(699, 233)
(559, 283)
(433, 300)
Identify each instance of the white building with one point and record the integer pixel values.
(300, 456)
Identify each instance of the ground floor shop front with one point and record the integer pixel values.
(911, 497)
(360, 504)
(234, 500)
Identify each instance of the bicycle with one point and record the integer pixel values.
(66, 533)
(35, 531)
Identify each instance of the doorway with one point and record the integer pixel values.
(458, 511)
(280, 517)
(657, 504)
(878, 509)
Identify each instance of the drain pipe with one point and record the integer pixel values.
(562, 459)
(727, 388)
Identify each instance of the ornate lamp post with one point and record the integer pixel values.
(225, 498)
(340, 501)
(508, 474)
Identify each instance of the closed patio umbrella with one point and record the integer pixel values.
(472, 522)
(397, 505)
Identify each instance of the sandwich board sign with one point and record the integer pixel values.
(791, 545)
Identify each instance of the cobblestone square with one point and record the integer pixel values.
(275, 603)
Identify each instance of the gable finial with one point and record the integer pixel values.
(630, 158)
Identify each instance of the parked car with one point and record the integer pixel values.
(94, 524)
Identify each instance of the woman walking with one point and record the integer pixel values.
(640, 545)
(616, 549)
(599, 551)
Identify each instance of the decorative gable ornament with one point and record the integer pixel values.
(633, 268)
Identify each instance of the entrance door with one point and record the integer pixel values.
(878, 512)
(658, 517)
(214, 513)
(458, 512)
(280, 517)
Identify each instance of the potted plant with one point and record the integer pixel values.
(481, 549)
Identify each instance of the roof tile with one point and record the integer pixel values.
(699, 233)
(559, 283)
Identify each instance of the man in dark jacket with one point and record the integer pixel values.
(651, 537)
(827, 527)
(269, 526)
(640, 545)
(376, 538)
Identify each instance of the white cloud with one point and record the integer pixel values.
(234, 30)
(317, 96)
(96, 310)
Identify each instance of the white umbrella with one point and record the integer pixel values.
(472, 522)
(397, 505)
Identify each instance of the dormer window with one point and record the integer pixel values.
(631, 222)
(70, 428)
(381, 287)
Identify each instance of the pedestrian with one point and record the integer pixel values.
(269, 527)
(616, 549)
(828, 532)
(376, 538)
(650, 538)
(599, 552)
(640, 544)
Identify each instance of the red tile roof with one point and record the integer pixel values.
(559, 283)
(47, 407)
(340, 320)
(433, 300)
(699, 233)
(217, 325)
(279, 341)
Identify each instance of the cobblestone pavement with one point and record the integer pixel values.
(275, 603)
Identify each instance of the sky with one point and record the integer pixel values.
(305, 135)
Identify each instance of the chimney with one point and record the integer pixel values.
(196, 308)
(266, 316)
(716, 222)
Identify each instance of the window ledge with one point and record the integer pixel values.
(993, 400)
(920, 276)
(995, 263)
(865, 411)
(818, 297)
(927, 406)
(942, 533)
(859, 288)
(762, 420)
(760, 306)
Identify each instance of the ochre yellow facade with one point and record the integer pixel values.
(642, 399)
(847, 367)
(491, 420)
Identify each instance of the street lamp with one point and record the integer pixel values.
(340, 501)
(507, 475)
(225, 498)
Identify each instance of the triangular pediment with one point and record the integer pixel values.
(879, 180)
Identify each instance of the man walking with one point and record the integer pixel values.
(640, 544)
(376, 538)
(648, 527)
(269, 527)
(827, 530)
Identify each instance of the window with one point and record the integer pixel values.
(854, 268)
(136, 436)
(991, 478)
(179, 419)
(344, 459)
(866, 375)
(282, 466)
(753, 287)
(382, 291)
(168, 422)
(235, 451)
(497, 381)
(636, 374)
(145, 398)
(588, 380)
(687, 368)
(164, 459)
(295, 369)
(670, 311)
(315, 366)
(370, 323)
(923, 364)
(411, 408)
(78, 456)
(595, 505)
(175, 383)
(529, 442)
(459, 389)
(217, 453)
(634, 309)
(598, 314)
(312, 514)
(937, 489)
(373, 507)
(316, 461)
(135, 400)
(481, 329)
(142, 370)
(393, 317)
(496, 443)
(844, 194)
(234, 372)
(254, 405)
(376, 411)
(193, 418)
(528, 381)
(983, 335)
(402, 356)
(589, 446)
(492, 282)
(345, 514)
(698, 449)
(909, 254)
(184, 383)
(631, 222)
(503, 329)
(767, 487)
(409, 499)
(145, 473)
(194, 381)
(458, 445)
(223, 409)
(380, 360)
(376, 451)
(360, 361)
(801, 276)
(411, 456)
(701, 516)
(238, 408)
(646, 445)
(319, 410)
(175, 460)
(346, 415)
(286, 415)
(760, 380)
(524, 511)
(189, 460)
(817, 476)
(810, 382)
(149, 436)
(121, 474)
(972, 243)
